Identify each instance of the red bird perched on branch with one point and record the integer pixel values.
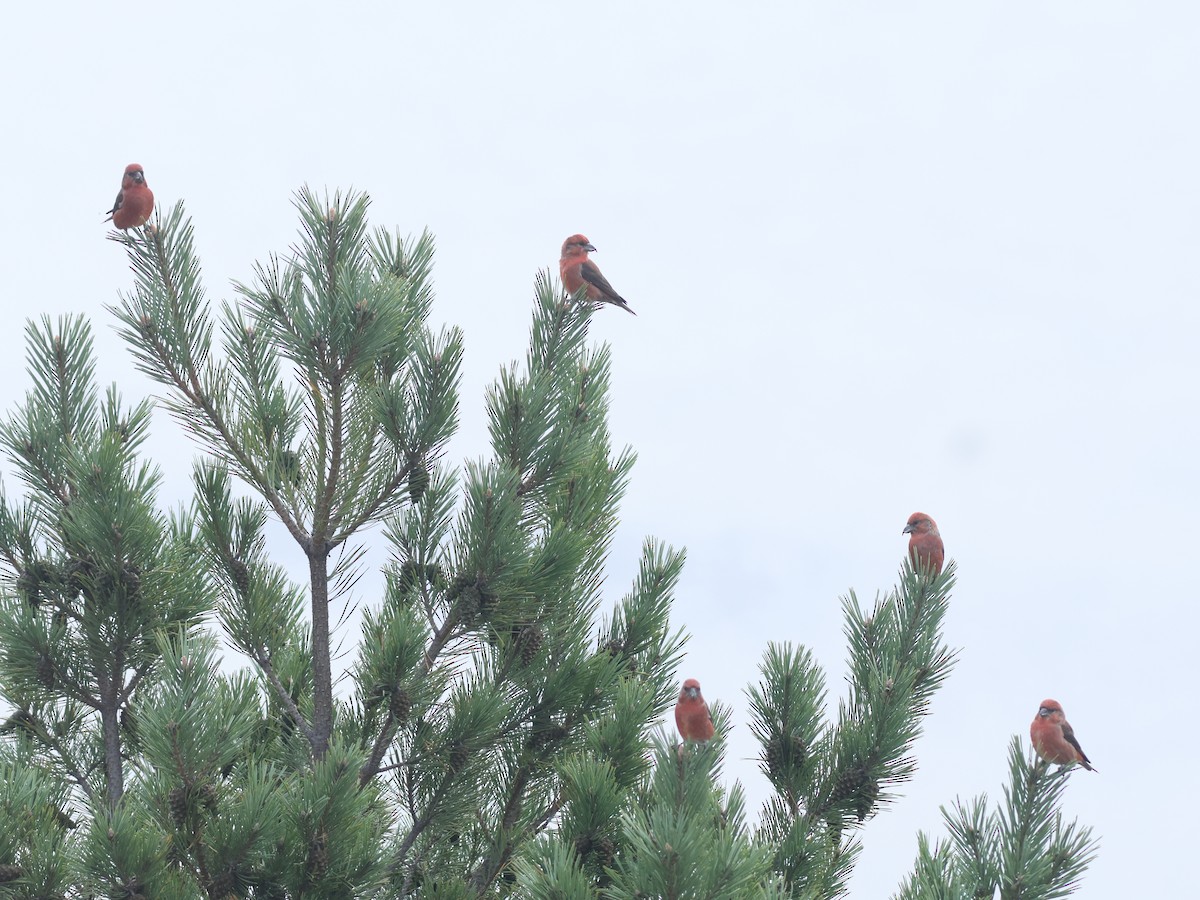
(1054, 738)
(576, 270)
(691, 714)
(135, 200)
(925, 544)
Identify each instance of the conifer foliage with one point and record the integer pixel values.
(495, 731)
(1024, 850)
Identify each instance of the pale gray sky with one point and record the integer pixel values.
(885, 257)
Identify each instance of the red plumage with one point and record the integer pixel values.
(576, 270)
(925, 543)
(135, 200)
(1054, 739)
(691, 713)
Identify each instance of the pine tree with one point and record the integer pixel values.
(830, 777)
(1025, 849)
(490, 739)
(479, 671)
(96, 571)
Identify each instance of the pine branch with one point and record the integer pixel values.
(285, 697)
(174, 356)
(35, 727)
(1024, 850)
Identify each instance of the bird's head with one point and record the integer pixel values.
(920, 523)
(576, 244)
(135, 174)
(1048, 709)
(691, 688)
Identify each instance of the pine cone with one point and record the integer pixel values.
(866, 798)
(470, 605)
(177, 802)
(222, 885)
(363, 314)
(10, 873)
(856, 784)
(375, 696)
(775, 756)
(21, 719)
(104, 585)
(848, 784)
(462, 594)
(318, 857)
(408, 576)
(418, 480)
(487, 598)
(922, 673)
(80, 577)
(208, 796)
(241, 576)
(37, 581)
(607, 850)
(459, 757)
(545, 734)
(538, 728)
(799, 751)
(530, 641)
(45, 670)
(47, 573)
(288, 466)
(131, 580)
(457, 586)
(177, 853)
(400, 706)
(411, 575)
(29, 586)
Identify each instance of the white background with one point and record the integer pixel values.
(885, 257)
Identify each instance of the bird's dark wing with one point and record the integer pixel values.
(591, 274)
(1069, 733)
(116, 204)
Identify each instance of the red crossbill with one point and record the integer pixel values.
(1054, 739)
(577, 270)
(135, 200)
(691, 713)
(925, 544)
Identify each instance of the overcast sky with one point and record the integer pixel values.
(885, 257)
